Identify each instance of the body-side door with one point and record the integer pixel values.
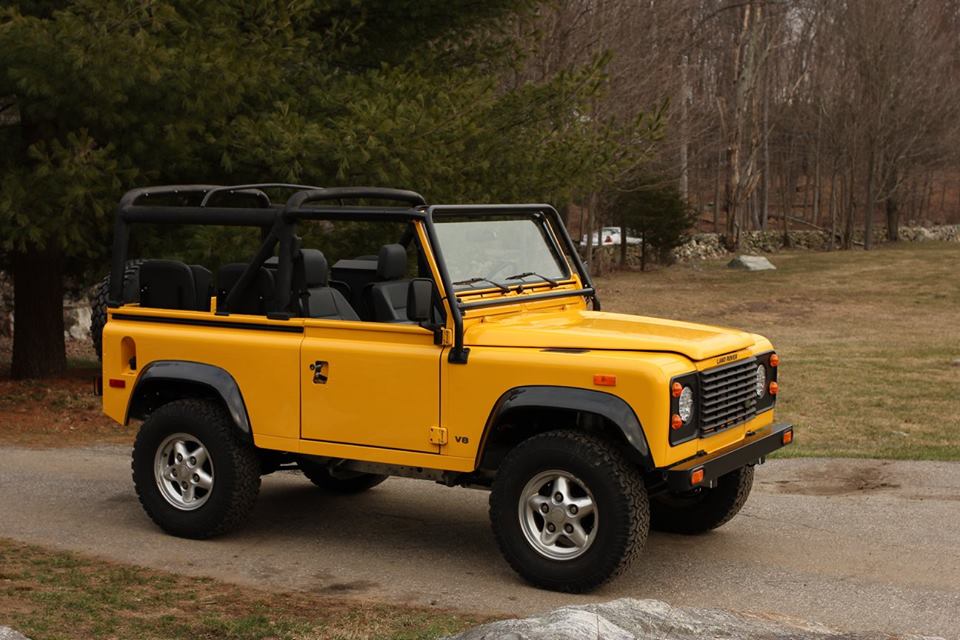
(370, 384)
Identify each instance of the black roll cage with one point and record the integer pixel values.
(278, 230)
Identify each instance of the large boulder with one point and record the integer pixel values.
(630, 619)
(751, 263)
(76, 320)
(6, 633)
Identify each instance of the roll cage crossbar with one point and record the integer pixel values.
(278, 229)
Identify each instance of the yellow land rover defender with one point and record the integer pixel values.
(462, 344)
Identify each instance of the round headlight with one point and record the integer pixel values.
(685, 404)
(761, 380)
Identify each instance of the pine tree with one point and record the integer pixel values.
(105, 95)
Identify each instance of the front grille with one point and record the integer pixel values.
(728, 396)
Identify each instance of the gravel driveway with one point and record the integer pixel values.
(854, 544)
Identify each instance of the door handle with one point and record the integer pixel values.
(321, 370)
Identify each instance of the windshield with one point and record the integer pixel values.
(482, 253)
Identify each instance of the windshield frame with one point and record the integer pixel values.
(558, 239)
(506, 283)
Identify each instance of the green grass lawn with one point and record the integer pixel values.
(868, 340)
(51, 595)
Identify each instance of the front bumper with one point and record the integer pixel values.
(750, 450)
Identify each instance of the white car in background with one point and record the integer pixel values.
(609, 236)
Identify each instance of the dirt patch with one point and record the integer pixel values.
(859, 480)
(343, 588)
(56, 412)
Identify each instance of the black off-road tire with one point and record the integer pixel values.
(707, 509)
(235, 463)
(98, 302)
(345, 484)
(623, 516)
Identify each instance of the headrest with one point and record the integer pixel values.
(392, 262)
(314, 268)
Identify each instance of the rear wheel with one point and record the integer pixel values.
(193, 475)
(704, 509)
(568, 511)
(342, 481)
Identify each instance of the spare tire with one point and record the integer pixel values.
(98, 301)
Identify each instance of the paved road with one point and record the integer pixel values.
(857, 545)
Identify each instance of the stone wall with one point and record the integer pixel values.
(703, 246)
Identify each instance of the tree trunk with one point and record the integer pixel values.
(893, 219)
(716, 192)
(684, 132)
(851, 212)
(754, 210)
(868, 205)
(927, 197)
(892, 209)
(788, 189)
(765, 175)
(591, 219)
(816, 169)
(832, 244)
(623, 242)
(643, 251)
(38, 346)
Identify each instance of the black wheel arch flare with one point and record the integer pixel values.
(613, 408)
(184, 378)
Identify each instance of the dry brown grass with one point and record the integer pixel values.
(868, 340)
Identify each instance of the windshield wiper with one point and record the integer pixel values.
(499, 286)
(527, 274)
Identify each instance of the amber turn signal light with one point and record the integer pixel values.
(774, 388)
(774, 360)
(605, 380)
(676, 422)
(696, 476)
(787, 436)
(676, 389)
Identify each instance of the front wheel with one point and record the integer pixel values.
(568, 511)
(705, 508)
(193, 475)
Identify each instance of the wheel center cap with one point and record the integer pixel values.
(556, 516)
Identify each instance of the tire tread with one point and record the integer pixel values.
(630, 538)
(242, 458)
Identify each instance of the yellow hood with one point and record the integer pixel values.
(575, 329)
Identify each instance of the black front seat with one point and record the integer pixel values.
(322, 300)
(386, 300)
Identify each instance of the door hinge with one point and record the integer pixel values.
(438, 435)
(446, 336)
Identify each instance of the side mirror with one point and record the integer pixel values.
(420, 300)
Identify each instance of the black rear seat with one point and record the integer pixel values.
(170, 284)
(255, 296)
